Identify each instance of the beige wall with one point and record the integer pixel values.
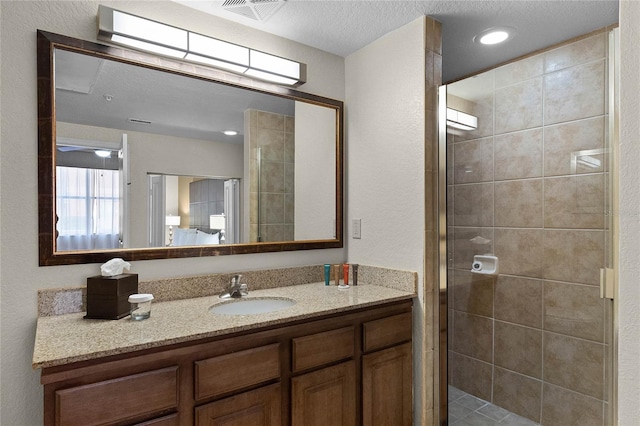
(628, 314)
(385, 154)
(21, 393)
(315, 133)
(532, 341)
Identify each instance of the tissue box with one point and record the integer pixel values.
(107, 297)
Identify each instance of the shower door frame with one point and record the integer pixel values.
(441, 366)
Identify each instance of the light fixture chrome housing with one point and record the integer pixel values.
(139, 33)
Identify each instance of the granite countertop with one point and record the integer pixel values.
(65, 339)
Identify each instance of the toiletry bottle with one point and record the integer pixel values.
(354, 273)
(327, 273)
(336, 274)
(345, 274)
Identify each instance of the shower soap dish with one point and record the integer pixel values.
(486, 265)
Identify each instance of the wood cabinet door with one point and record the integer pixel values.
(260, 407)
(386, 387)
(325, 397)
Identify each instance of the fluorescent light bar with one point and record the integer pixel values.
(263, 75)
(143, 45)
(266, 62)
(144, 29)
(144, 34)
(218, 49)
(461, 120)
(215, 63)
(459, 126)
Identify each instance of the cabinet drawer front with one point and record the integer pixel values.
(118, 399)
(226, 373)
(260, 407)
(386, 331)
(322, 348)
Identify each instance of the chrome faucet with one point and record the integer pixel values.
(235, 290)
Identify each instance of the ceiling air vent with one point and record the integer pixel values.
(260, 10)
(139, 121)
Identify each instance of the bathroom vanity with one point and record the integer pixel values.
(337, 357)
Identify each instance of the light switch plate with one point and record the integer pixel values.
(356, 228)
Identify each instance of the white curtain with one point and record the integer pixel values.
(87, 205)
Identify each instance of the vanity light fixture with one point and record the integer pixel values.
(493, 36)
(461, 120)
(144, 34)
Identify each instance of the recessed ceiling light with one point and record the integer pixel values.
(493, 36)
(103, 153)
(230, 132)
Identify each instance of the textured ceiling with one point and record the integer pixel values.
(344, 26)
(340, 27)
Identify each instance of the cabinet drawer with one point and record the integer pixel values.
(386, 331)
(118, 399)
(226, 373)
(322, 348)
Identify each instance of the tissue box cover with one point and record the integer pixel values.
(107, 297)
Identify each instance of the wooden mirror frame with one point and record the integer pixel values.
(47, 42)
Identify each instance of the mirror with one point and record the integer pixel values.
(134, 162)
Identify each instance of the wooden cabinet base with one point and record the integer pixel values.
(305, 373)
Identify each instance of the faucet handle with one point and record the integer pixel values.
(244, 289)
(235, 280)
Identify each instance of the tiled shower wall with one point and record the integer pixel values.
(274, 134)
(533, 340)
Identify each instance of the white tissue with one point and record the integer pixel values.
(114, 267)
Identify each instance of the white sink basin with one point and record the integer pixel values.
(251, 306)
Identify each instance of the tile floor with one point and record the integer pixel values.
(467, 410)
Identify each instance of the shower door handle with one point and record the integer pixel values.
(607, 283)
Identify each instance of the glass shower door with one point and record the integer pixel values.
(527, 161)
